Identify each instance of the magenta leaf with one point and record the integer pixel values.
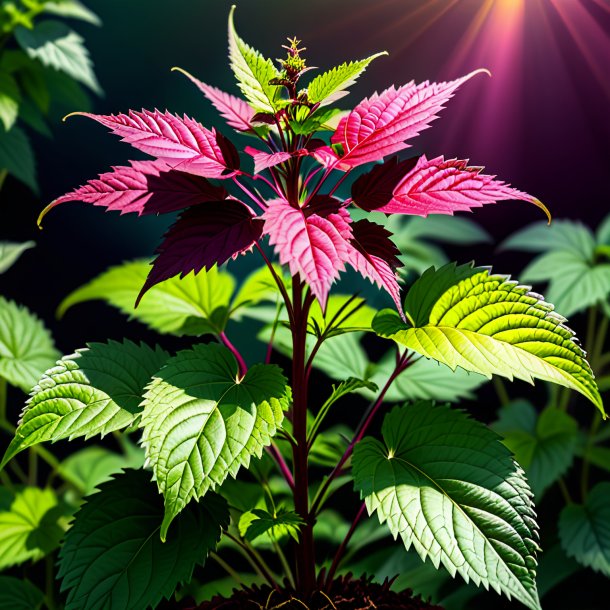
(264, 160)
(437, 186)
(235, 111)
(183, 143)
(381, 124)
(375, 257)
(203, 236)
(145, 187)
(313, 242)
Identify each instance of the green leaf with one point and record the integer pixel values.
(89, 467)
(201, 422)
(259, 287)
(95, 391)
(65, 93)
(72, 9)
(18, 594)
(574, 283)
(425, 380)
(59, 47)
(277, 525)
(330, 86)
(26, 347)
(11, 251)
(487, 324)
(344, 313)
(544, 446)
(9, 100)
(33, 118)
(194, 305)
(584, 530)
(320, 120)
(29, 527)
(253, 72)
(112, 556)
(566, 235)
(449, 487)
(17, 156)
(31, 79)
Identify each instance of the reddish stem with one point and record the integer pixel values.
(275, 453)
(341, 550)
(243, 368)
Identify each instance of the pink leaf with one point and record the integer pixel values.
(374, 256)
(236, 111)
(264, 160)
(313, 242)
(183, 143)
(145, 187)
(437, 186)
(203, 236)
(381, 124)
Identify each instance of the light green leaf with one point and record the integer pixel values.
(17, 156)
(9, 100)
(425, 380)
(544, 446)
(259, 287)
(259, 522)
(584, 530)
(26, 347)
(11, 251)
(201, 422)
(449, 487)
(253, 72)
(72, 9)
(321, 120)
(485, 323)
(19, 594)
(344, 313)
(194, 305)
(59, 47)
(331, 86)
(29, 527)
(95, 391)
(89, 467)
(112, 556)
(566, 235)
(574, 283)
(602, 235)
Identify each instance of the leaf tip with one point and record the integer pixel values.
(44, 212)
(71, 114)
(541, 205)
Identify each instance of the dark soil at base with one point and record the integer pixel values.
(345, 594)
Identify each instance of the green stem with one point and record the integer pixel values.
(227, 568)
(586, 462)
(285, 564)
(564, 491)
(50, 582)
(501, 391)
(32, 467)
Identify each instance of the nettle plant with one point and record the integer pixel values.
(440, 480)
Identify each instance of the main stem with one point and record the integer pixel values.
(305, 557)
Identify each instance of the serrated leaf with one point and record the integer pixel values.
(97, 390)
(19, 594)
(448, 486)
(26, 347)
(181, 142)
(584, 530)
(112, 556)
(314, 243)
(29, 527)
(331, 86)
(343, 313)
(253, 72)
(194, 305)
(144, 187)
(320, 120)
(425, 380)
(482, 322)
(201, 422)
(259, 286)
(17, 156)
(204, 236)
(59, 47)
(259, 522)
(72, 9)
(543, 445)
(9, 100)
(11, 251)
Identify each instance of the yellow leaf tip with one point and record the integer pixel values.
(71, 114)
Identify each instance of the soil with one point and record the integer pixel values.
(346, 593)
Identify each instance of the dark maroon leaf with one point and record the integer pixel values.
(375, 189)
(203, 236)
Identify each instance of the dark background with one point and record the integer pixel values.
(542, 122)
